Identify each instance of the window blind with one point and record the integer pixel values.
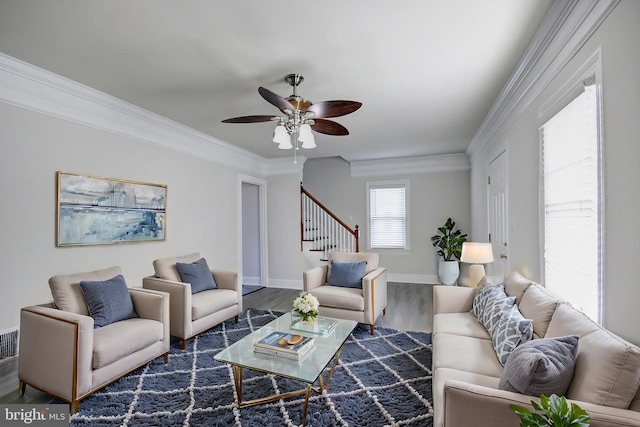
(571, 193)
(387, 216)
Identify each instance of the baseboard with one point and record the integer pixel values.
(285, 284)
(413, 278)
(391, 277)
(257, 281)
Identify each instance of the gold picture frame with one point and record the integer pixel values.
(94, 210)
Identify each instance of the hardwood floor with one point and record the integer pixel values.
(409, 307)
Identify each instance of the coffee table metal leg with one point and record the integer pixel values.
(306, 404)
(237, 380)
(333, 367)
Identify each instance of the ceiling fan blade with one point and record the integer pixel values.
(334, 108)
(275, 99)
(249, 119)
(329, 127)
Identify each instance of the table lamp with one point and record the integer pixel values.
(476, 254)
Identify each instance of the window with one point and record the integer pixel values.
(388, 211)
(571, 191)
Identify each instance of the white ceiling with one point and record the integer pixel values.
(426, 71)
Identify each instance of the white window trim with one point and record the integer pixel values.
(590, 71)
(407, 198)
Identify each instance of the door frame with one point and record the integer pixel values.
(262, 212)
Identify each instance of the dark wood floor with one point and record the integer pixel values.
(409, 308)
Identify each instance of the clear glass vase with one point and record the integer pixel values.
(297, 317)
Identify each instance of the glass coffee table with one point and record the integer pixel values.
(328, 347)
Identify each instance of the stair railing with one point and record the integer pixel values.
(323, 228)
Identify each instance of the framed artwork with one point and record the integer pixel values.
(94, 210)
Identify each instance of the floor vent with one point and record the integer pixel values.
(9, 343)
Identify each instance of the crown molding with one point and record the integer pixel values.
(27, 86)
(410, 165)
(565, 29)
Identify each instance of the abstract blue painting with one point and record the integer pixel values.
(94, 210)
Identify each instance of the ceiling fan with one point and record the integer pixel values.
(300, 116)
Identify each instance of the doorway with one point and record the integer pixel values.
(252, 242)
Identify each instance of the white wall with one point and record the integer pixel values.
(283, 219)
(34, 146)
(434, 196)
(618, 38)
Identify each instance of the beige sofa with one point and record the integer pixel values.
(466, 370)
(63, 355)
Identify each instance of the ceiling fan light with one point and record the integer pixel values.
(306, 137)
(285, 145)
(280, 135)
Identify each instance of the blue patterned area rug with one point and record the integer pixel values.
(381, 380)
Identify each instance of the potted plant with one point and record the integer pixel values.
(449, 242)
(556, 412)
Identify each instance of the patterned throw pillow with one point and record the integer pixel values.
(489, 304)
(511, 330)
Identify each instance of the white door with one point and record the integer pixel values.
(498, 217)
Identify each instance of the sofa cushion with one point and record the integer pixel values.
(466, 354)
(566, 320)
(108, 301)
(67, 293)
(165, 268)
(465, 324)
(198, 274)
(616, 380)
(516, 286)
(338, 297)
(489, 304)
(509, 332)
(346, 274)
(538, 304)
(371, 258)
(543, 366)
(120, 339)
(212, 301)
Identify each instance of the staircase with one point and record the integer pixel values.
(322, 231)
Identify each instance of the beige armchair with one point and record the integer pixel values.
(62, 354)
(365, 304)
(192, 314)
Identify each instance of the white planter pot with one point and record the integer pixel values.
(448, 271)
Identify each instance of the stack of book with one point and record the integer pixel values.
(285, 345)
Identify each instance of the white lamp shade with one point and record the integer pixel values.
(476, 253)
(281, 136)
(306, 137)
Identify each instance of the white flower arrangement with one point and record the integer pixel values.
(306, 305)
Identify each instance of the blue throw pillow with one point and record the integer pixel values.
(198, 274)
(108, 301)
(347, 274)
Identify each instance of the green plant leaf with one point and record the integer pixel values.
(449, 241)
(556, 412)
